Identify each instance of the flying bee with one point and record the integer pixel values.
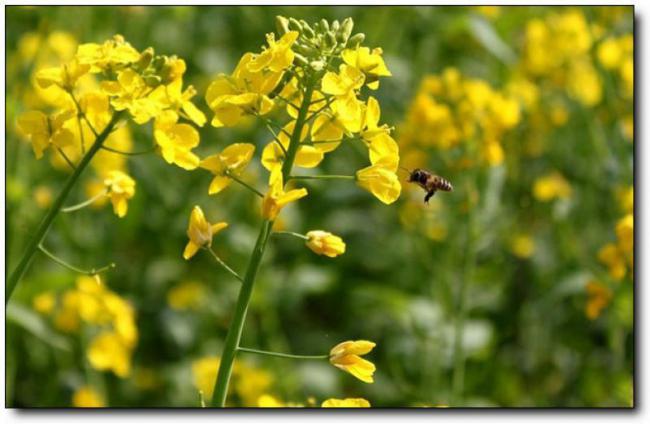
(429, 182)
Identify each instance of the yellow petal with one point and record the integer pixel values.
(190, 250)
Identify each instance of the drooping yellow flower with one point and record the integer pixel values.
(204, 373)
(87, 397)
(200, 232)
(108, 352)
(348, 79)
(231, 161)
(242, 93)
(276, 198)
(369, 62)
(347, 356)
(278, 56)
(120, 188)
(45, 131)
(325, 243)
(176, 141)
(381, 182)
(346, 403)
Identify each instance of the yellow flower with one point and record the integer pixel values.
(250, 383)
(347, 80)
(115, 53)
(176, 141)
(44, 130)
(186, 295)
(493, 153)
(325, 243)
(200, 232)
(278, 56)
(87, 397)
(551, 186)
(204, 372)
(306, 156)
(381, 182)
(231, 161)
(584, 83)
(598, 297)
(612, 256)
(269, 401)
(130, 92)
(242, 93)
(346, 403)
(625, 233)
(43, 196)
(44, 303)
(610, 54)
(108, 352)
(172, 95)
(121, 188)
(276, 198)
(369, 62)
(347, 356)
(522, 246)
(65, 76)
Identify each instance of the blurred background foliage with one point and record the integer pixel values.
(514, 290)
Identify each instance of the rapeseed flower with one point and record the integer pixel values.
(370, 63)
(87, 397)
(276, 198)
(176, 141)
(45, 131)
(231, 161)
(120, 188)
(347, 356)
(346, 403)
(200, 232)
(381, 182)
(325, 243)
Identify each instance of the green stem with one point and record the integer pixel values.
(233, 337)
(281, 355)
(291, 233)
(223, 264)
(84, 203)
(38, 236)
(322, 177)
(122, 152)
(91, 272)
(243, 183)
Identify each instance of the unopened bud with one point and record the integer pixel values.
(317, 65)
(306, 29)
(152, 80)
(330, 40)
(325, 25)
(346, 29)
(159, 62)
(300, 59)
(335, 26)
(281, 25)
(294, 25)
(145, 59)
(356, 39)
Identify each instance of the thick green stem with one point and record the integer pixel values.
(233, 337)
(38, 236)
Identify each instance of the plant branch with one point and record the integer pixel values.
(281, 355)
(223, 264)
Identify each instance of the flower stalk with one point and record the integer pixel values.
(280, 354)
(38, 236)
(233, 337)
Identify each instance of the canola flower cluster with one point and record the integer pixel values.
(91, 307)
(316, 76)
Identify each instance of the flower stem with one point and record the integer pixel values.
(84, 203)
(281, 355)
(38, 236)
(223, 264)
(121, 152)
(91, 272)
(322, 177)
(243, 183)
(233, 337)
(291, 233)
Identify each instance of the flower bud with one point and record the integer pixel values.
(325, 243)
(330, 40)
(294, 25)
(324, 25)
(346, 29)
(145, 59)
(335, 26)
(356, 39)
(306, 29)
(317, 65)
(152, 80)
(281, 25)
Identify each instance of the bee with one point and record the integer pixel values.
(429, 182)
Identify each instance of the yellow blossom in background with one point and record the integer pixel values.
(250, 383)
(186, 295)
(108, 352)
(347, 356)
(625, 233)
(612, 256)
(43, 196)
(44, 303)
(346, 403)
(598, 297)
(87, 397)
(65, 76)
(231, 161)
(204, 374)
(200, 232)
(551, 186)
(381, 182)
(269, 401)
(325, 243)
(120, 188)
(522, 246)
